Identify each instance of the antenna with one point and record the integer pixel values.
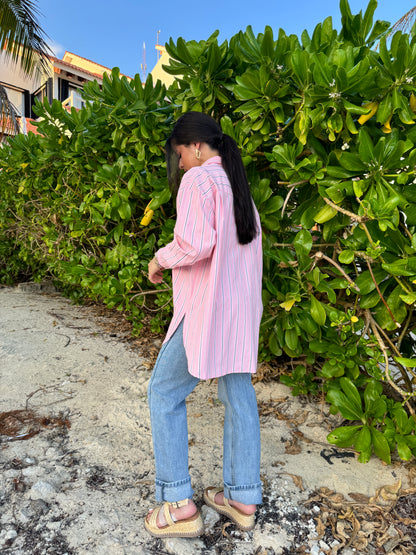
(157, 44)
(143, 64)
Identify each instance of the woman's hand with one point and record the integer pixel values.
(155, 272)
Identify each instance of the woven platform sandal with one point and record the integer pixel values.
(243, 521)
(186, 528)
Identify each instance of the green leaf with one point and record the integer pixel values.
(291, 339)
(365, 148)
(403, 449)
(408, 362)
(380, 445)
(366, 283)
(274, 344)
(272, 205)
(344, 436)
(317, 311)
(372, 392)
(401, 267)
(303, 242)
(363, 441)
(346, 257)
(160, 198)
(352, 393)
(365, 455)
(124, 210)
(343, 404)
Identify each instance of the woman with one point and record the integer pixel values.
(216, 263)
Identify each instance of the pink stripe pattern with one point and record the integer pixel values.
(216, 280)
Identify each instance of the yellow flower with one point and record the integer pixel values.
(354, 319)
(148, 215)
(287, 305)
(372, 106)
(412, 102)
(387, 127)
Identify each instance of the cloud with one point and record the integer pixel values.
(56, 48)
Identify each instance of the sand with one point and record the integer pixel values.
(82, 480)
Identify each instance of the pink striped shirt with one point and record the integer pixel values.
(216, 280)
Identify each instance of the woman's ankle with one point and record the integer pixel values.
(186, 511)
(247, 509)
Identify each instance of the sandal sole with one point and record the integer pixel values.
(232, 514)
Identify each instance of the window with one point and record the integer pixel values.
(17, 98)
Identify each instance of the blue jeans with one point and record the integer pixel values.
(169, 386)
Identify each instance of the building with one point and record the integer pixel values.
(63, 81)
(158, 72)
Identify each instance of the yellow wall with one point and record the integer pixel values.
(158, 72)
(85, 64)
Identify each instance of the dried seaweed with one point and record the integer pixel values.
(386, 521)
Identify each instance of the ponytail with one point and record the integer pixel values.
(244, 214)
(199, 127)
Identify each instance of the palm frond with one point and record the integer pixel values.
(21, 37)
(405, 23)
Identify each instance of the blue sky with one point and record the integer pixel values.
(112, 33)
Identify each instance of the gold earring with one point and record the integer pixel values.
(197, 153)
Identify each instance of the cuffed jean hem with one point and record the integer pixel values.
(248, 495)
(173, 491)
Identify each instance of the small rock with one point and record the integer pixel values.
(39, 507)
(55, 525)
(183, 546)
(42, 490)
(51, 453)
(25, 515)
(209, 516)
(315, 549)
(11, 473)
(32, 471)
(272, 537)
(7, 537)
(30, 461)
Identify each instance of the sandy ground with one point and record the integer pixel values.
(79, 479)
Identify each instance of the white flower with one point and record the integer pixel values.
(366, 175)
(332, 84)
(402, 158)
(409, 80)
(279, 67)
(334, 95)
(345, 146)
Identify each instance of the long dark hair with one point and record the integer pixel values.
(195, 127)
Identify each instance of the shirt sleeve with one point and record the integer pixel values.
(194, 234)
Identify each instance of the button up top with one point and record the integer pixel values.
(216, 280)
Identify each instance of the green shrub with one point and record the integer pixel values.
(326, 127)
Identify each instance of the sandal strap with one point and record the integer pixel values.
(178, 504)
(153, 517)
(155, 513)
(167, 514)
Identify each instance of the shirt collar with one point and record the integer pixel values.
(212, 160)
